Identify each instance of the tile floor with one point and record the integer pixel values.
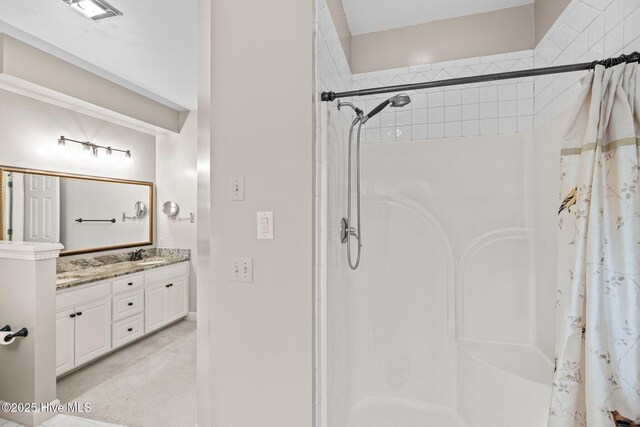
(63, 421)
(150, 383)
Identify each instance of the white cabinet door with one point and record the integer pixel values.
(65, 341)
(178, 299)
(156, 302)
(93, 330)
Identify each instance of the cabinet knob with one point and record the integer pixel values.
(130, 283)
(130, 329)
(72, 315)
(79, 313)
(167, 286)
(130, 304)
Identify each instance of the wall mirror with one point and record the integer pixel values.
(84, 213)
(171, 209)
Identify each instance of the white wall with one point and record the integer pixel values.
(262, 127)
(176, 180)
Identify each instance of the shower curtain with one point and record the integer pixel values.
(597, 376)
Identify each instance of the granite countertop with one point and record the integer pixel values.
(80, 271)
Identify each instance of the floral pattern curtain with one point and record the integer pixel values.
(597, 377)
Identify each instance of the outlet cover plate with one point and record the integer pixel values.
(242, 269)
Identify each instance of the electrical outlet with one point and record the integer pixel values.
(242, 270)
(237, 188)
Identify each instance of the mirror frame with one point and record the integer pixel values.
(4, 169)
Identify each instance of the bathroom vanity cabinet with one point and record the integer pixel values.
(96, 318)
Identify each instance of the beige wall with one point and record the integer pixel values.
(23, 65)
(261, 333)
(505, 30)
(336, 9)
(547, 12)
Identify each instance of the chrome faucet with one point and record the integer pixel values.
(136, 255)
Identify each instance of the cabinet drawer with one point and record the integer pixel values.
(128, 283)
(127, 330)
(83, 294)
(128, 304)
(171, 272)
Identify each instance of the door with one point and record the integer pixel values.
(41, 208)
(65, 339)
(93, 330)
(178, 304)
(156, 306)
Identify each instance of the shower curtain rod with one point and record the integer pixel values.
(634, 57)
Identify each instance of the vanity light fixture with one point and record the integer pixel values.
(92, 150)
(94, 9)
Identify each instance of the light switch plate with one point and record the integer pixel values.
(242, 270)
(237, 188)
(265, 225)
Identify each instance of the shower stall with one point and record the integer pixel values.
(441, 323)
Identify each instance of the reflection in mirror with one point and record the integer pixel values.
(79, 212)
(140, 209)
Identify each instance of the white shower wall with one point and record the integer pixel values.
(445, 295)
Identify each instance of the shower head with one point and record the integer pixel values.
(395, 101)
(400, 100)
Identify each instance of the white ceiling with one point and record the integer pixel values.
(368, 16)
(152, 49)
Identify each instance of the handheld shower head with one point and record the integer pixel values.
(400, 100)
(395, 101)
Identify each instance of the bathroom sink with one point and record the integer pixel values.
(154, 262)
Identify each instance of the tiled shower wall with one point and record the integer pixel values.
(468, 110)
(586, 30)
